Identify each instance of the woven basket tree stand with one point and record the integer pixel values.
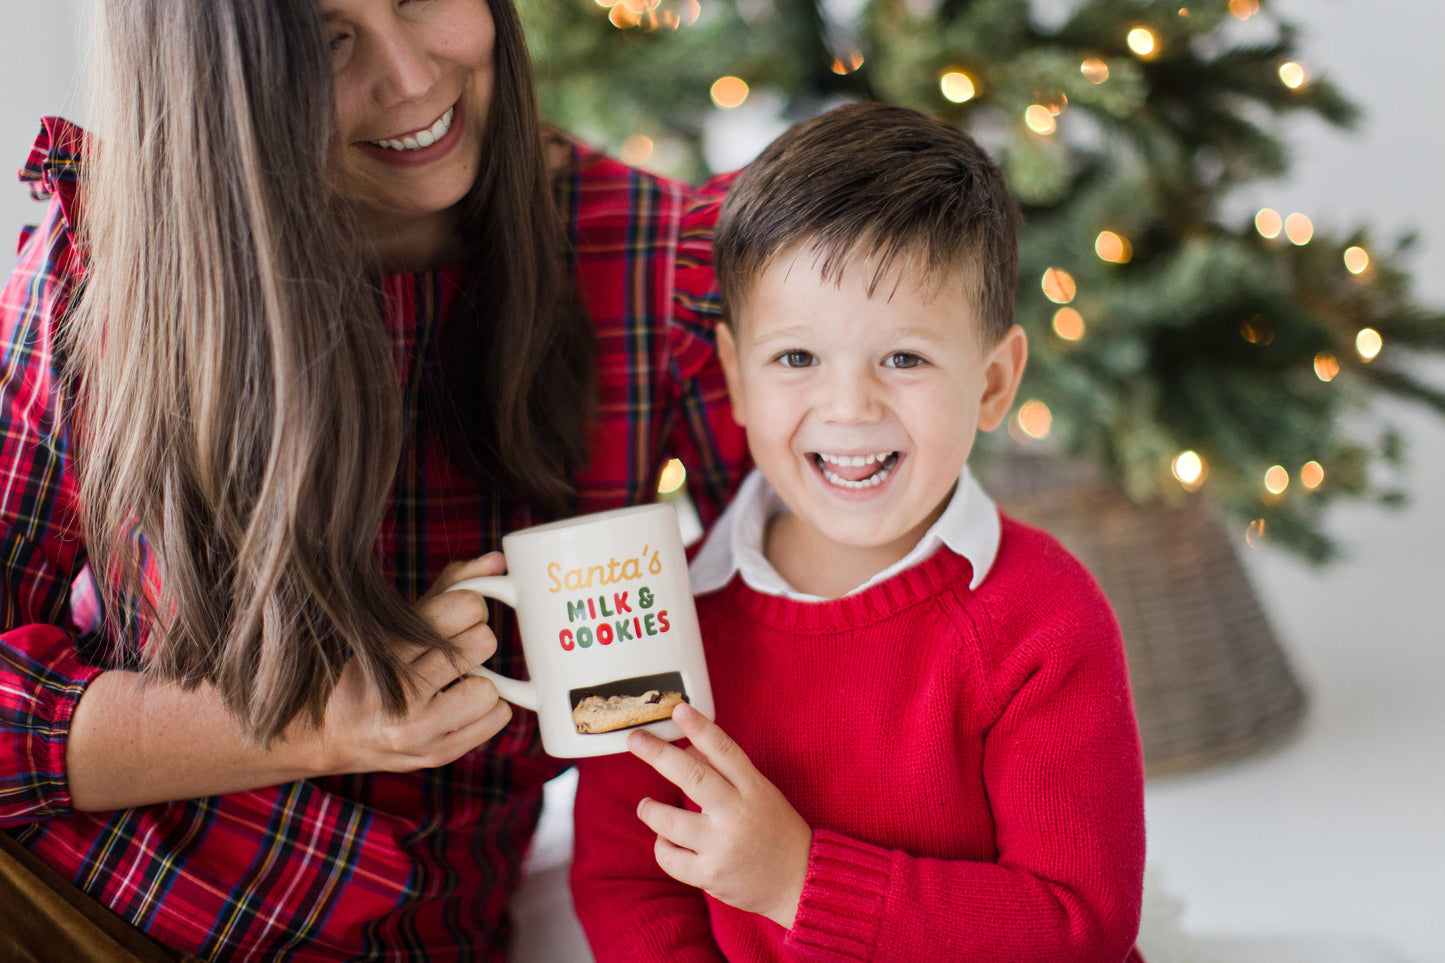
(1210, 680)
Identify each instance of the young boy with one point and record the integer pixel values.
(925, 747)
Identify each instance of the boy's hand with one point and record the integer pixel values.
(748, 847)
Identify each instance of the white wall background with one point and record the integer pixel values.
(1342, 832)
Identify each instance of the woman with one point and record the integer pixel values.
(301, 328)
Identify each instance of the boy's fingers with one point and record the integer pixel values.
(679, 863)
(678, 826)
(722, 753)
(698, 780)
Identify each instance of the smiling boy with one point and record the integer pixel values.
(925, 746)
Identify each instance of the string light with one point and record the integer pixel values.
(1312, 475)
(1257, 330)
(636, 150)
(1255, 533)
(1068, 324)
(729, 92)
(1368, 343)
(1243, 9)
(1276, 480)
(1299, 229)
(1058, 285)
(957, 86)
(1039, 119)
(1292, 75)
(1357, 260)
(673, 475)
(1113, 248)
(854, 61)
(623, 17)
(1326, 366)
(1189, 469)
(1095, 71)
(1035, 419)
(1141, 40)
(1268, 222)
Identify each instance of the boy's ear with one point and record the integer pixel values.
(727, 352)
(1002, 372)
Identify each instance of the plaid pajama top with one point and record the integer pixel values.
(373, 866)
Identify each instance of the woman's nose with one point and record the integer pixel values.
(405, 69)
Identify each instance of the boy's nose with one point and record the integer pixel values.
(849, 397)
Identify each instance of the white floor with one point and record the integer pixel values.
(1342, 830)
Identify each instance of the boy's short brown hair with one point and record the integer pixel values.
(881, 181)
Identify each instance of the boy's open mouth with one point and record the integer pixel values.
(856, 471)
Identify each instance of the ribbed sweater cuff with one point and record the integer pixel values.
(843, 895)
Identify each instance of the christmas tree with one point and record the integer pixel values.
(1183, 351)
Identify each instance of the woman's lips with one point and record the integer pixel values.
(420, 155)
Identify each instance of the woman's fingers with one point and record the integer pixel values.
(435, 669)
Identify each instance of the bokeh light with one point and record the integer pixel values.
(957, 86)
(1326, 366)
(1299, 228)
(1312, 475)
(1141, 40)
(1113, 248)
(1368, 343)
(1357, 260)
(1268, 222)
(1058, 285)
(1276, 480)
(1095, 71)
(1189, 468)
(729, 92)
(1068, 324)
(1035, 419)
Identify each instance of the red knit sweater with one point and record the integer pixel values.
(968, 761)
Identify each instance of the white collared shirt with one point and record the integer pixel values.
(969, 526)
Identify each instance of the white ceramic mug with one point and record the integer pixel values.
(605, 611)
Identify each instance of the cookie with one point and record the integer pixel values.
(596, 714)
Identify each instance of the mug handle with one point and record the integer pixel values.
(504, 590)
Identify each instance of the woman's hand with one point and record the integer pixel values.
(448, 713)
(748, 847)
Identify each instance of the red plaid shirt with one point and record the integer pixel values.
(372, 866)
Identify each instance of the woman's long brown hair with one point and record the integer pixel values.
(237, 395)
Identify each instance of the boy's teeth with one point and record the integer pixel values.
(883, 463)
(420, 139)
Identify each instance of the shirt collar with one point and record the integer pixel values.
(969, 526)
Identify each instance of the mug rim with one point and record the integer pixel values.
(580, 521)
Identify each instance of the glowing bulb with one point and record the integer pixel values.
(1357, 260)
(1142, 42)
(1189, 469)
(1292, 74)
(1095, 71)
(623, 16)
(729, 92)
(1268, 222)
(1255, 535)
(1068, 324)
(1326, 366)
(1368, 343)
(852, 63)
(673, 475)
(1058, 286)
(957, 86)
(1113, 248)
(1039, 119)
(1312, 475)
(636, 149)
(1243, 9)
(1298, 228)
(1276, 480)
(1257, 330)
(1036, 419)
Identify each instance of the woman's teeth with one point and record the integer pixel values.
(885, 462)
(422, 138)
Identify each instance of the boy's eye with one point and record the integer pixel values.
(902, 359)
(336, 41)
(796, 358)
